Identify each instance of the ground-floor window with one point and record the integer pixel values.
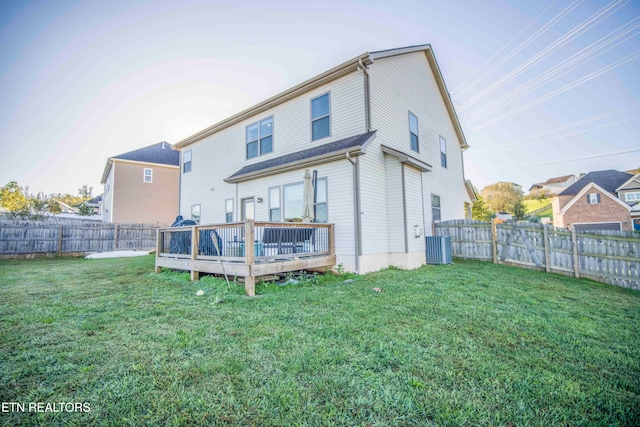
(229, 210)
(435, 207)
(274, 204)
(195, 213)
(293, 201)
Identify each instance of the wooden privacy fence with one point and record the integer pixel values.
(23, 238)
(611, 257)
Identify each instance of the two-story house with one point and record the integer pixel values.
(382, 135)
(142, 185)
(601, 200)
(554, 185)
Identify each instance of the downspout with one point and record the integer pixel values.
(367, 98)
(180, 185)
(356, 209)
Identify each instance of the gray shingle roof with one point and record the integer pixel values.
(320, 150)
(608, 180)
(161, 153)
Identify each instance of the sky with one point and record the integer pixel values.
(542, 89)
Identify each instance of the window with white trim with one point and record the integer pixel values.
(293, 201)
(593, 199)
(228, 204)
(443, 152)
(413, 132)
(148, 175)
(320, 117)
(435, 208)
(186, 161)
(632, 197)
(260, 138)
(195, 213)
(274, 204)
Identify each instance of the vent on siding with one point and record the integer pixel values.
(438, 249)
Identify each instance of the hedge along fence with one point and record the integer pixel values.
(611, 257)
(28, 238)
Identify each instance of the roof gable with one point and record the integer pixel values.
(585, 189)
(161, 153)
(609, 180)
(335, 73)
(633, 183)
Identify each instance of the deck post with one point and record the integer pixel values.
(159, 245)
(249, 257)
(194, 252)
(332, 239)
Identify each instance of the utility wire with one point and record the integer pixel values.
(586, 55)
(462, 87)
(551, 138)
(594, 156)
(571, 35)
(560, 90)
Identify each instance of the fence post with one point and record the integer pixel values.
(60, 240)
(494, 241)
(545, 241)
(159, 237)
(576, 259)
(115, 236)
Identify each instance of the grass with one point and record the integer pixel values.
(467, 344)
(533, 205)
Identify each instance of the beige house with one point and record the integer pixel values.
(142, 186)
(382, 137)
(601, 200)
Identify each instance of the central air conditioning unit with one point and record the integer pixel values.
(438, 249)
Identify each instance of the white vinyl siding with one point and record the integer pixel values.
(339, 201)
(413, 202)
(224, 153)
(399, 84)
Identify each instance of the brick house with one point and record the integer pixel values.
(595, 202)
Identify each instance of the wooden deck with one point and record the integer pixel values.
(246, 249)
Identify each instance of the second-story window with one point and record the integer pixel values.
(320, 117)
(148, 175)
(413, 132)
(593, 199)
(186, 162)
(443, 152)
(260, 138)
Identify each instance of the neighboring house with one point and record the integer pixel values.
(599, 200)
(515, 186)
(629, 192)
(504, 216)
(554, 185)
(142, 185)
(382, 134)
(65, 208)
(95, 204)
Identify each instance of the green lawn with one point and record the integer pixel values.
(467, 344)
(533, 205)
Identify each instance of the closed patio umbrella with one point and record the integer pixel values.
(307, 197)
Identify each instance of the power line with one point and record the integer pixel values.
(560, 90)
(559, 161)
(571, 63)
(513, 145)
(572, 34)
(520, 47)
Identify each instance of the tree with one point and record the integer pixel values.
(539, 194)
(85, 191)
(13, 197)
(502, 196)
(39, 205)
(519, 209)
(480, 210)
(85, 210)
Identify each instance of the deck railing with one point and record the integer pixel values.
(267, 246)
